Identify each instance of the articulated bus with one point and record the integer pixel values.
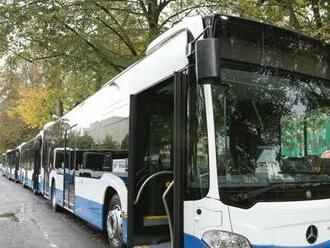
(218, 137)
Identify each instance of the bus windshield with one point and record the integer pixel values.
(271, 127)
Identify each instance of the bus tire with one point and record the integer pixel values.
(53, 198)
(114, 223)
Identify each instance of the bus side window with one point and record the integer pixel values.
(59, 160)
(93, 161)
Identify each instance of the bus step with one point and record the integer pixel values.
(164, 245)
(152, 240)
(157, 220)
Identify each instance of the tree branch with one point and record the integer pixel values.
(294, 24)
(127, 43)
(143, 7)
(117, 67)
(316, 12)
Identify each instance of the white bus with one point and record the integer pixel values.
(190, 147)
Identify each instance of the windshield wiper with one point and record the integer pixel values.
(248, 195)
(306, 173)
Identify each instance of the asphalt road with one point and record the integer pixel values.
(27, 221)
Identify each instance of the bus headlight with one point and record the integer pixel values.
(221, 239)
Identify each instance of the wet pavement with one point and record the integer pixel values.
(27, 221)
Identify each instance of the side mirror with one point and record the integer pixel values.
(207, 52)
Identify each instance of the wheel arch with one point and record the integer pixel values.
(114, 186)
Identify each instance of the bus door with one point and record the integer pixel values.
(36, 166)
(69, 169)
(151, 166)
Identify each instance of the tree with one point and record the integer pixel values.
(35, 105)
(66, 50)
(13, 131)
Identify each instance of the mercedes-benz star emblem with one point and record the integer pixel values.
(311, 234)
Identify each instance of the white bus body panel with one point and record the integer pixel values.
(215, 216)
(83, 186)
(89, 204)
(271, 224)
(58, 179)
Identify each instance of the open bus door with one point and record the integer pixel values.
(69, 170)
(156, 159)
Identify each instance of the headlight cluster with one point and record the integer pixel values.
(221, 239)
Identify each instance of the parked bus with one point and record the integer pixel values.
(13, 157)
(204, 123)
(31, 152)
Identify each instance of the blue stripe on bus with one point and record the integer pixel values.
(40, 187)
(90, 211)
(16, 177)
(193, 242)
(125, 228)
(59, 197)
(28, 183)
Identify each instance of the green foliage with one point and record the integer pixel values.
(69, 49)
(13, 131)
(110, 143)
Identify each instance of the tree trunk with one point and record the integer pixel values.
(294, 24)
(153, 18)
(151, 11)
(316, 12)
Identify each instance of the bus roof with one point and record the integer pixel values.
(142, 72)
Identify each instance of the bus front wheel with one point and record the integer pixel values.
(115, 223)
